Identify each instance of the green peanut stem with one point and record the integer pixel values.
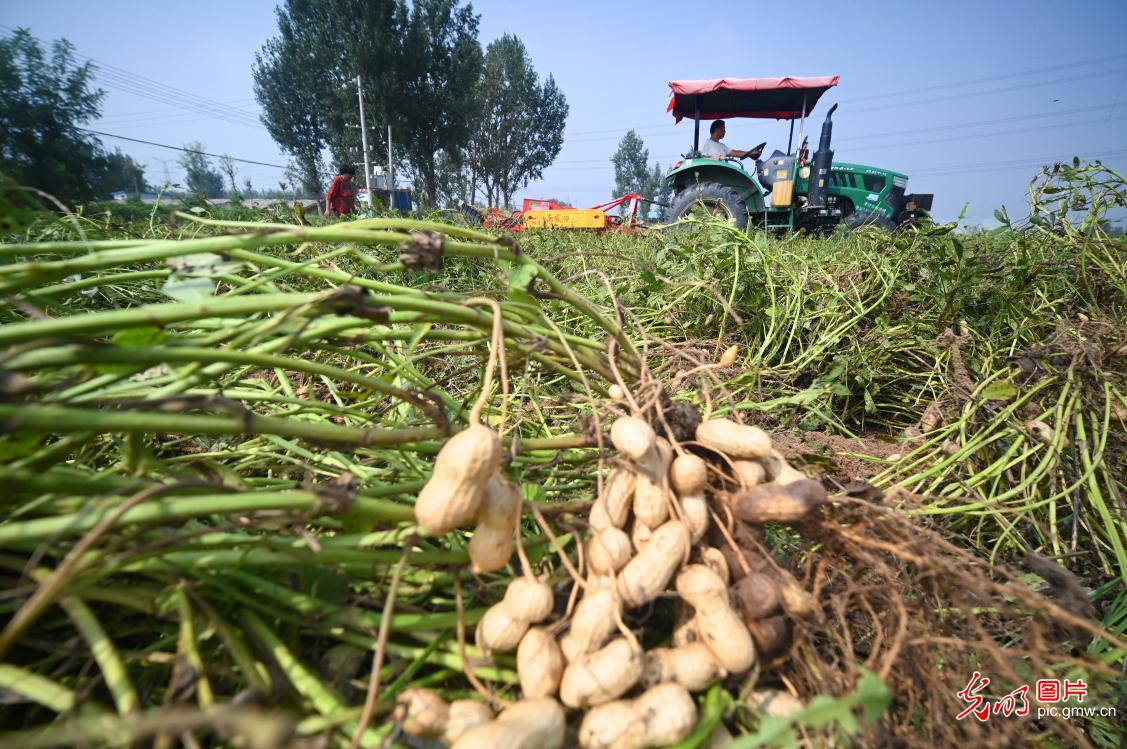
(176, 508)
(62, 419)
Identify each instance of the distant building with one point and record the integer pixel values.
(307, 203)
(399, 199)
(146, 197)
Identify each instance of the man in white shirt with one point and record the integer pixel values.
(714, 149)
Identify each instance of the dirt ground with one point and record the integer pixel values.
(841, 458)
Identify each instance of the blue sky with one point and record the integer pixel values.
(965, 97)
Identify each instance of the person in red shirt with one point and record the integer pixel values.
(341, 198)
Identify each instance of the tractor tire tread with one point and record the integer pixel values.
(710, 192)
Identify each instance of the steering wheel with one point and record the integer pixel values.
(750, 151)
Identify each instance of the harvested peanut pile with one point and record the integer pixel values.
(713, 566)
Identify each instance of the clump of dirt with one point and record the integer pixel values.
(832, 456)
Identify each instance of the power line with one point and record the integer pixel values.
(996, 121)
(959, 168)
(178, 148)
(1004, 89)
(1015, 131)
(948, 170)
(147, 88)
(154, 93)
(988, 79)
(163, 112)
(119, 123)
(644, 129)
(188, 150)
(939, 128)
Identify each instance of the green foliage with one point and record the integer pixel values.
(1075, 198)
(452, 179)
(842, 331)
(837, 718)
(440, 65)
(418, 66)
(520, 122)
(300, 78)
(122, 173)
(227, 165)
(632, 172)
(18, 209)
(201, 176)
(43, 98)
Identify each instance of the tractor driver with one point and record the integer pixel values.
(713, 148)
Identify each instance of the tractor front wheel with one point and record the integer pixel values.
(879, 220)
(709, 199)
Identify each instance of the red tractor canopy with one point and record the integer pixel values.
(766, 98)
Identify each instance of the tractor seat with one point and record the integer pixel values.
(775, 167)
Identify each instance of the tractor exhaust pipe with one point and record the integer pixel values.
(823, 160)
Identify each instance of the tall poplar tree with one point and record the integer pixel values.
(520, 122)
(417, 66)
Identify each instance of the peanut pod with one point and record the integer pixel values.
(770, 634)
(527, 601)
(737, 441)
(748, 472)
(455, 490)
(695, 509)
(540, 664)
(609, 551)
(715, 560)
(601, 676)
(632, 437)
(651, 494)
(693, 666)
(773, 502)
(662, 716)
(646, 575)
(717, 624)
(688, 474)
(756, 596)
(591, 623)
(527, 724)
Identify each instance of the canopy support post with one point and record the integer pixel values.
(802, 123)
(790, 138)
(696, 128)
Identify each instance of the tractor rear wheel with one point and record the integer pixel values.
(710, 199)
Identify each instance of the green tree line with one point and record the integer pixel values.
(633, 173)
(469, 124)
(44, 97)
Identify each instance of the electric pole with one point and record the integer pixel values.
(364, 144)
(390, 168)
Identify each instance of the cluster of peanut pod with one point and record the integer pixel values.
(655, 532)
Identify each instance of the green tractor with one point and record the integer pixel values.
(786, 191)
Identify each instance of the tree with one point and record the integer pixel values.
(122, 173)
(658, 190)
(441, 66)
(417, 66)
(452, 179)
(199, 175)
(520, 122)
(632, 172)
(297, 77)
(227, 164)
(42, 102)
